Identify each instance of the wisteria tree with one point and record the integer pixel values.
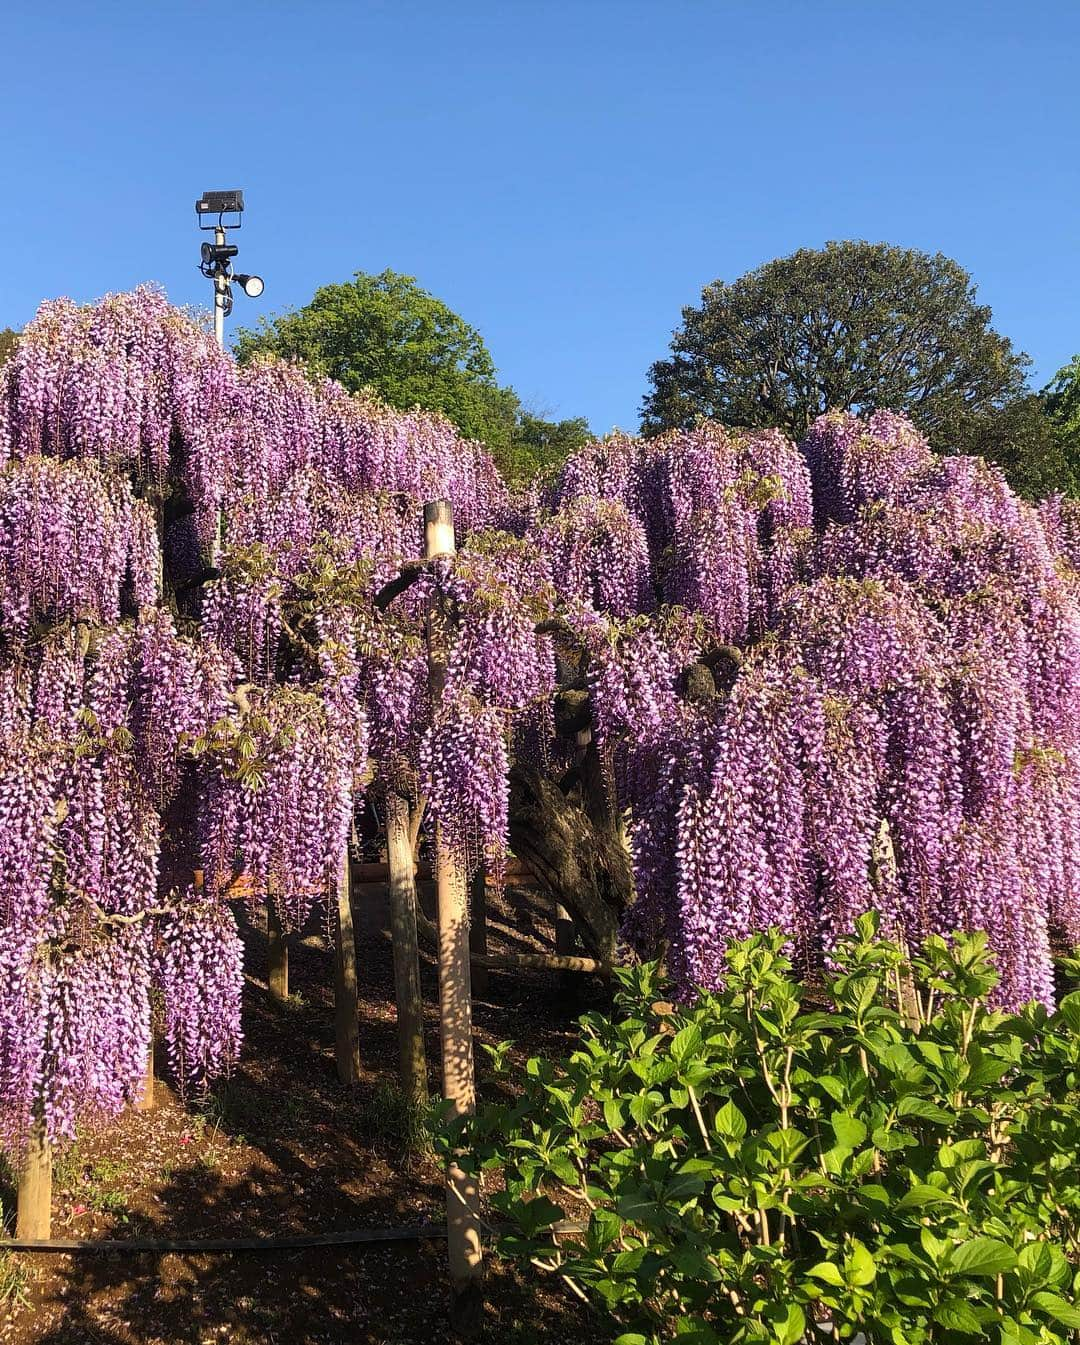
(703, 684)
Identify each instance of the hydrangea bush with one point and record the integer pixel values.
(886, 1157)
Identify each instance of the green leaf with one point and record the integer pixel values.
(686, 1043)
(925, 1110)
(982, 1256)
(614, 1118)
(604, 1228)
(788, 1325)
(537, 1213)
(849, 1130)
(860, 1265)
(825, 1270)
(696, 1264)
(1041, 1263)
(730, 1123)
(833, 1086)
(955, 1314)
(643, 1106)
(920, 1196)
(1069, 1009)
(1057, 1307)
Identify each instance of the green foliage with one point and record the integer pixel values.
(1061, 402)
(8, 341)
(1038, 455)
(386, 334)
(387, 1113)
(1063, 397)
(538, 445)
(855, 326)
(897, 1159)
(14, 1281)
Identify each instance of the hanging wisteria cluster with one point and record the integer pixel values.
(816, 679)
(900, 728)
(196, 686)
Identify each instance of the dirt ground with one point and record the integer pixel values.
(281, 1147)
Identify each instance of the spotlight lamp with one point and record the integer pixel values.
(251, 285)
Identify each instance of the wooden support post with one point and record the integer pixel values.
(459, 1082)
(455, 994)
(412, 1060)
(478, 930)
(33, 1217)
(346, 995)
(277, 955)
(145, 1100)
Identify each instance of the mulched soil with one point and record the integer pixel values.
(282, 1147)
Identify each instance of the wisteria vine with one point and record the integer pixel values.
(818, 678)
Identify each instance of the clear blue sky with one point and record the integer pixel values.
(566, 175)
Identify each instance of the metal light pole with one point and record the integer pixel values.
(216, 262)
(220, 291)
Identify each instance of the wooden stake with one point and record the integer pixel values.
(277, 954)
(346, 996)
(459, 1075)
(455, 995)
(145, 1100)
(478, 931)
(410, 1004)
(33, 1218)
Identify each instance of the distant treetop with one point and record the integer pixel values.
(854, 326)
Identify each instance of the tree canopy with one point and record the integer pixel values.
(1062, 399)
(8, 339)
(386, 333)
(854, 326)
(539, 444)
(1037, 454)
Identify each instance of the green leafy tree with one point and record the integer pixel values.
(8, 340)
(1062, 397)
(385, 333)
(1037, 454)
(1061, 401)
(855, 326)
(538, 445)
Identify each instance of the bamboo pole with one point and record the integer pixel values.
(277, 955)
(346, 995)
(33, 1217)
(517, 961)
(410, 1006)
(455, 995)
(547, 962)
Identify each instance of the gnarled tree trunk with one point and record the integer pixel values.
(581, 864)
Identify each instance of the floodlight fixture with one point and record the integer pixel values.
(220, 203)
(216, 257)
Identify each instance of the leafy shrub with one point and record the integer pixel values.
(896, 1159)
